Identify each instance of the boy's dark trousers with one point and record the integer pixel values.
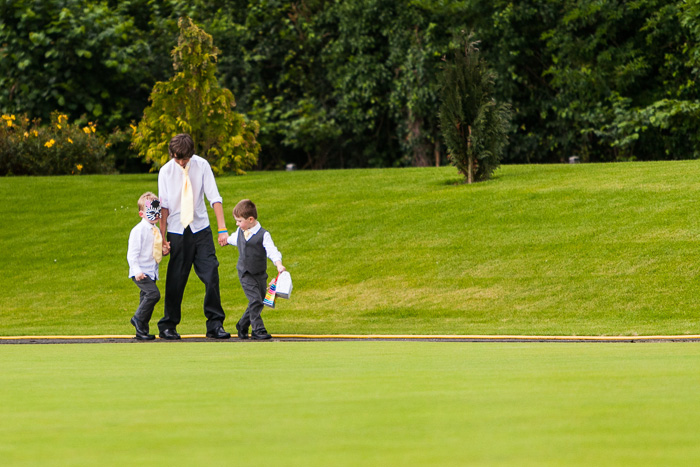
(254, 287)
(189, 250)
(149, 296)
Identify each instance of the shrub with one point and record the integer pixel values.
(29, 148)
(193, 102)
(474, 125)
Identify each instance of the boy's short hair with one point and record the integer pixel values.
(148, 196)
(245, 209)
(181, 146)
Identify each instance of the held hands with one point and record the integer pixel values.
(223, 238)
(166, 248)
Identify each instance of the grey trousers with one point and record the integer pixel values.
(150, 295)
(254, 288)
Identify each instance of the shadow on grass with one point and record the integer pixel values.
(462, 181)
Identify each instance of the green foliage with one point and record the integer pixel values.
(594, 78)
(340, 84)
(82, 57)
(355, 83)
(59, 148)
(193, 102)
(473, 124)
(281, 73)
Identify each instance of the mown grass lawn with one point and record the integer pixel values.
(606, 249)
(349, 403)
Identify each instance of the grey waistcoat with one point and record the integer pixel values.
(252, 256)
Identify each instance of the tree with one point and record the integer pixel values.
(474, 125)
(339, 84)
(92, 60)
(193, 102)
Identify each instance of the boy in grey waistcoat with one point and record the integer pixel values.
(255, 245)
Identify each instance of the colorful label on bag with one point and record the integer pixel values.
(270, 295)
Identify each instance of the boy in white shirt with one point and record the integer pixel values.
(255, 245)
(143, 255)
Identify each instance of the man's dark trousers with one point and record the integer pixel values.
(189, 250)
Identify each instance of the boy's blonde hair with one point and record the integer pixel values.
(148, 196)
(245, 209)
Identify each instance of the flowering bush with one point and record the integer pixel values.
(29, 148)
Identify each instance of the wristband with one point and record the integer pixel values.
(223, 231)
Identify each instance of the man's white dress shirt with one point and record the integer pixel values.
(170, 180)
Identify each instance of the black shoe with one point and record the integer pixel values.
(218, 333)
(260, 335)
(169, 334)
(141, 330)
(242, 332)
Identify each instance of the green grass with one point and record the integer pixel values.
(349, 403)
(608, 249)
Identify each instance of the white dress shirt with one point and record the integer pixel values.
(170, 181)
(270, 249)
(140, 252)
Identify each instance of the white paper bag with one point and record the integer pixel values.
(284, 285)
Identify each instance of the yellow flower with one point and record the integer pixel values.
(50, 143)
(58, 126)
(86, 130)
(26, 135)
(79, 167)
(9, 119)
(36, 133)
(70, 141)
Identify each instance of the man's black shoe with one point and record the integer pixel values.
(242, 332)
(260, 335)
(218, 333)
(169, 334)
(141, 330)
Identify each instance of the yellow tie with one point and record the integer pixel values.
(186, 199)
(247, 233)
(157, 245)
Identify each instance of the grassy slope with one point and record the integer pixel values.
(349, 403)
(585, 249)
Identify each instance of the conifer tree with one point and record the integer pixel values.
(193, 102)
(473, 124)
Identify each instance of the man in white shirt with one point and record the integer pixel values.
(182, 184)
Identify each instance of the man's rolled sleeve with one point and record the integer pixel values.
(163, 192)
(210, 188)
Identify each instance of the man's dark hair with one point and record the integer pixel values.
(181, 146)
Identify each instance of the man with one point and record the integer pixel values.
(182, 184)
